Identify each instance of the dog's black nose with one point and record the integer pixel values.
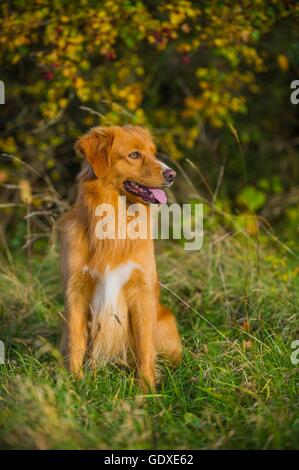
(169, 175)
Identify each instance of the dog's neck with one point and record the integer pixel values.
(93, 193)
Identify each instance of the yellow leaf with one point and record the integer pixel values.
(25, 191)
(79, 83)
(283, 62)
(252, 226)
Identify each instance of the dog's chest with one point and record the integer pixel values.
(109, 286)
(109, 312)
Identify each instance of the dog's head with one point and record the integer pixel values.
(125, 157)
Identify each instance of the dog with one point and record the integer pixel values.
(112, 306)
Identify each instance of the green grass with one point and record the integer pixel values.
(236, 302)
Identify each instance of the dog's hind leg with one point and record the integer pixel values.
(143, 325)
(168, 341)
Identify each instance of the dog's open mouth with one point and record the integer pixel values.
(150, 195)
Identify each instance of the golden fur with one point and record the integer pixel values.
(118, 278)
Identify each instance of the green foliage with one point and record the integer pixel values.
(252, 198)
(188, 70)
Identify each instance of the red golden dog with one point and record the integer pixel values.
(112, 307)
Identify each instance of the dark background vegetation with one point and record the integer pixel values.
(212, 79)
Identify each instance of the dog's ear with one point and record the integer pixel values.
(95, 146)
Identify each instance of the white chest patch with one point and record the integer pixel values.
(108, 288)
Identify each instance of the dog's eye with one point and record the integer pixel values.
(134, 155)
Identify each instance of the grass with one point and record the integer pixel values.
(236, 302)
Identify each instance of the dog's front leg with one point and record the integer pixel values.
(77, 305)
(143, 321)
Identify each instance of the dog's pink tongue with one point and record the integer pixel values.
(160, 195)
